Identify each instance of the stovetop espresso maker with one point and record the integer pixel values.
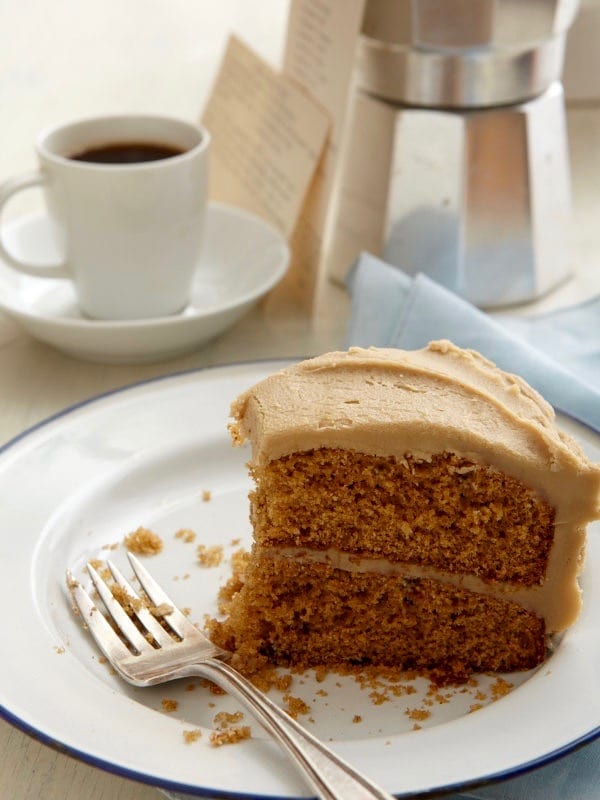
(479, 195)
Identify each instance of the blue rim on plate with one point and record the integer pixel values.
(194, 789)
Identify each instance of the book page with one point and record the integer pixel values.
(267, 137)
(320, 51)
(360, 217)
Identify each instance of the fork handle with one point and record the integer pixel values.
(329, 775)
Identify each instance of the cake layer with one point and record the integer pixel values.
(539, 600)
(304, 615)
(445, 512)
(391, 402)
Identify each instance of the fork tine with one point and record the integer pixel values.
(152, 625)
(106, 639)
(116, 611)
(176, 619)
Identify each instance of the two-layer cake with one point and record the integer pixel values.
(414, 509)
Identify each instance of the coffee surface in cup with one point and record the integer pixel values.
(127, 153)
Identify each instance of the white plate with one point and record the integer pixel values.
(143, 456)
(243, 258)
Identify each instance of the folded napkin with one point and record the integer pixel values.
(557, 353)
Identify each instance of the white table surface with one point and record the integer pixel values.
(64, 59)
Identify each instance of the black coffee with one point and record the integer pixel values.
(127, 153)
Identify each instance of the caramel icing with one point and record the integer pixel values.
(441, 398)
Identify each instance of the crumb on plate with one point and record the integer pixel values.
(143, 542)
(230, 736)
(295, 706)
(224, 720)
(210, 556)
(419, 714)
(186, 535)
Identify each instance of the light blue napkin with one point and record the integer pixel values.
(557, 353)
(573, 777)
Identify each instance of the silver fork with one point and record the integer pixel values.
(189, 652)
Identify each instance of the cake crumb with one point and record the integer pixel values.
(210, 556)
(356, 719)
(500, 688)
(186, 535)
(419, 714)
(282, 682)
(224, 720)
(206, 495)
(383, 683)
(143, 542)
(230, 736)
(295, 706)
(169, 705)
(128, 603)
(269, 678)
(163, 610)
(379, 698)
(321, 673)
(192, 736)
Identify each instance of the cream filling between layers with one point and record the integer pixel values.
(556, 603)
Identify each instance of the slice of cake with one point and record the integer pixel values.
(412, 509)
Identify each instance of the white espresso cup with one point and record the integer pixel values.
(131, 230)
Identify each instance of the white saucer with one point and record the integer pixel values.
(243, 258)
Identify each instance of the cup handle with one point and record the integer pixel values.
(7, 190)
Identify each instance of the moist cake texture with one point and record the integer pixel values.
(413, 509)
